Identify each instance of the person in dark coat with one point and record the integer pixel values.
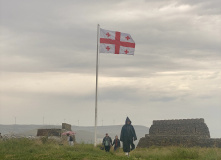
(116, 143)
(127, 136)
(70, 140)
(107, 142)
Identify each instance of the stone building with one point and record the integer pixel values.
(49, 132)
(181, 132)
(54, 131)
(66, 126)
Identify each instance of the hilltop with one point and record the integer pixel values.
(22, 149)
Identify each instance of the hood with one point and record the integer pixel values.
(127, 119)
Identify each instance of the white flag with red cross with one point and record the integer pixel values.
(116, 42)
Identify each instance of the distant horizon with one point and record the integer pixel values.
(148, 127)
(73, 125)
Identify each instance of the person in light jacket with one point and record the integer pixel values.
(107, 142)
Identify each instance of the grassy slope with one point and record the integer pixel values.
(24, 149)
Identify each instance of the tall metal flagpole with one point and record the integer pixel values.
(95, 128)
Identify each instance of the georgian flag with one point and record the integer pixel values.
(116, 42)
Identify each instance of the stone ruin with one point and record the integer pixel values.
(181, 132)
(66, 126)
(49, 132)
(53, 131)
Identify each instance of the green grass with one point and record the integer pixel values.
(24, 149)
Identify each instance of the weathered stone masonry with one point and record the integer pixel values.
(54, 131)
(182, 132)
(49, 132)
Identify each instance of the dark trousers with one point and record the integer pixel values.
(127, 144)
(107, 148)
(115, 148)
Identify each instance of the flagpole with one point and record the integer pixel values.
(95, 128)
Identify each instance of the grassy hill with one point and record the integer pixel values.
(24, 149)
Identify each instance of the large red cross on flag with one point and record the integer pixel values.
(116, 42)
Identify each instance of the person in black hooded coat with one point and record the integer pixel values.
(127, 136)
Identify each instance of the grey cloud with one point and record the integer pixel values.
(205, 7)
(62, 43)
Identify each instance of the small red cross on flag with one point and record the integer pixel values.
(116, 42)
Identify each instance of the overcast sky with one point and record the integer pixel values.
(48, 62)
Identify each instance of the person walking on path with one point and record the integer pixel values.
(128, 135)
(116, 143)
(107, 141)
(70, 140)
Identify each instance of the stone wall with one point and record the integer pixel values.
(66, 126)
(49, 132)
(182, 127)
(183, 132)
(185, 141)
